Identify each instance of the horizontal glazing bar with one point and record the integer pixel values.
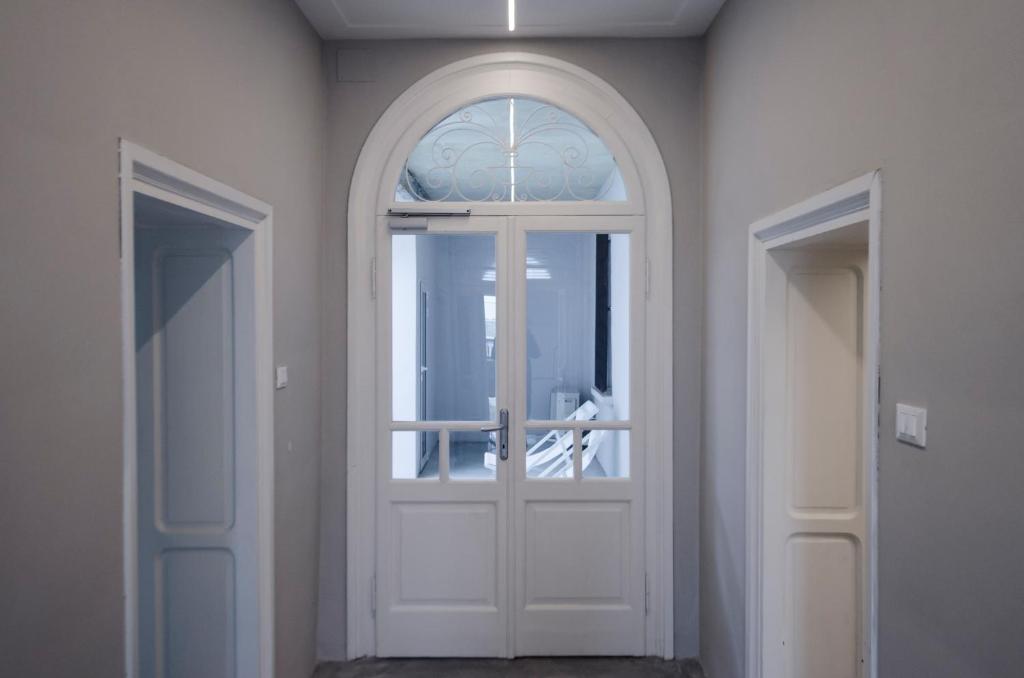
(439, 425)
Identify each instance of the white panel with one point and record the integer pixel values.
(814, 601)
(446, 554)
(196, 627)
(195, 363)
(824, 308)
(823, 605)
(198, 472)
(595, 570)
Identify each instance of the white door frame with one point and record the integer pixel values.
(147, 173)
(372, 192)
(854, 202)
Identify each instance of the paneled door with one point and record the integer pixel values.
(816, 464)
(198, 469)
(442, 520)
(510, 467)
(577, 456)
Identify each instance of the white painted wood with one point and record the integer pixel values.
(812, 437)
(815, 514)
(442, 544)
(579, 542)
(437, 540)
(611, 117)
(204, 416)
(362, 19)
(198, 472)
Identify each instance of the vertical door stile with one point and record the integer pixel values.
(510, 469)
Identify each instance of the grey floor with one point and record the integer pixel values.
(556, 667)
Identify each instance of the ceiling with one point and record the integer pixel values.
(383, 19)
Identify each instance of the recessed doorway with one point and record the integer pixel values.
(510, 410)
(812, 436)
(198, 427)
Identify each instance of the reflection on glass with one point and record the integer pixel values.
(605, 454)
(443, 327)
(414, 454)
(471, 455)
(549, 454)
(577, 326)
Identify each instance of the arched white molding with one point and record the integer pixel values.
(372, 192)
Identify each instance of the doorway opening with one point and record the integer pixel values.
(812, 436)
(509, 441)
(198, 463)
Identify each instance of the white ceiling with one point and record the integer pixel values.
(381, 19)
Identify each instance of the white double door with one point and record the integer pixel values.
(534, 319)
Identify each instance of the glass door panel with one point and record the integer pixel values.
(577, 357)
(577, 496)
(442, 509)
(443, 323)
(444, 352)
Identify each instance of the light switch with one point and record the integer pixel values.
(911, 424)
(281, 377)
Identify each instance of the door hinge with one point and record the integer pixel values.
(647, 279)
(373, 596)
(878, 405)
(120, 222)
(647, 594)
(373, 277)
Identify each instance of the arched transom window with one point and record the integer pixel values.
(510, 149)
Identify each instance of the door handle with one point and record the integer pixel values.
(502, 430)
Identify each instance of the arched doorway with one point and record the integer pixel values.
(509, 269)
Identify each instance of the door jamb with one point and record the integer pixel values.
(143, 171)
(855, 201)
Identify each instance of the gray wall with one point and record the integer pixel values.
(662, 79)
(233, 89)
(802, 95)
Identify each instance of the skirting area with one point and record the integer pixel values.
(560, 667)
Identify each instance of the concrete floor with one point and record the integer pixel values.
(534, 667)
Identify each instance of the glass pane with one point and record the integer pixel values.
(471, 455)
(443, 327)
(577, 326)
(549, 454)
(605, 454)
(414, 454)
(508, 150)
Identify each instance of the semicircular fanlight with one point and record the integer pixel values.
(510, 149)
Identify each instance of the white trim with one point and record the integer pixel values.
(855, 201)
(142, 171)
(372, 192)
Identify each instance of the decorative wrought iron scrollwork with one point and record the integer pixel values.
(500, 150)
